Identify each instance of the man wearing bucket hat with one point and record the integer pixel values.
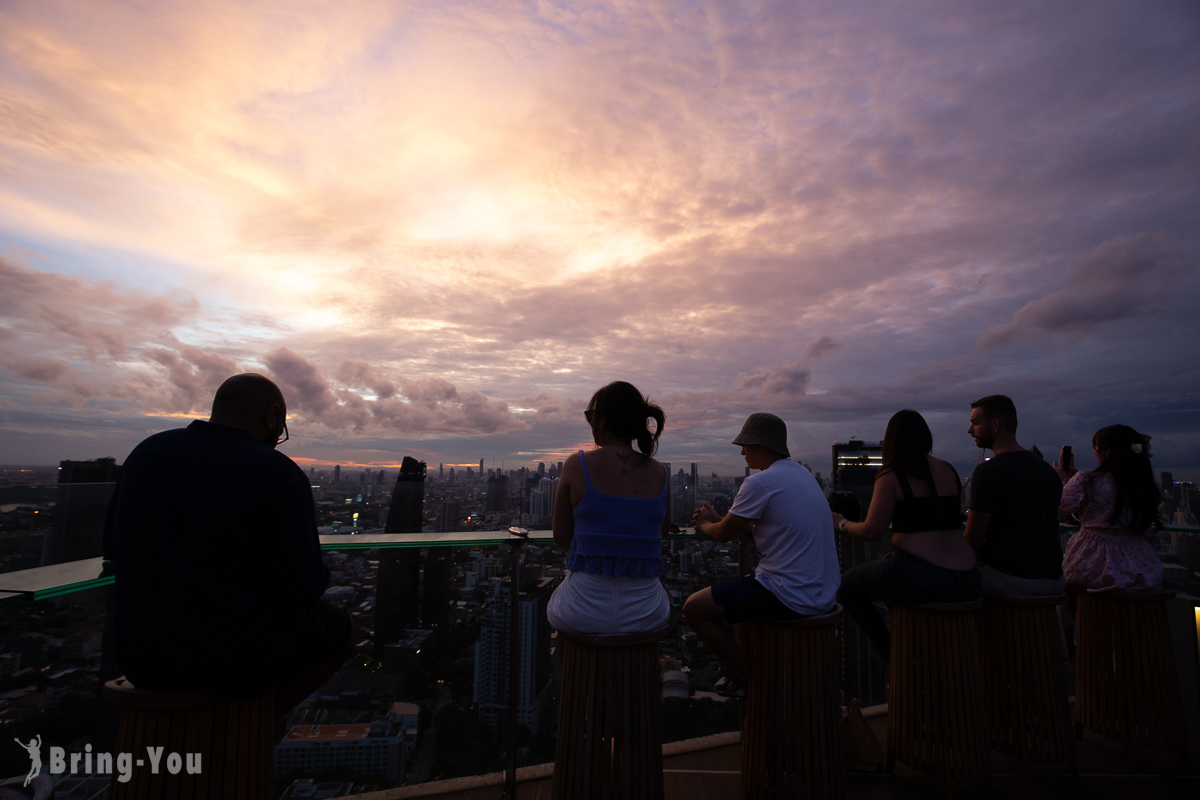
(798, 572)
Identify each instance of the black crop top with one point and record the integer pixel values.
(918, 514)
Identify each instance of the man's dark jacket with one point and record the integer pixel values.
(214, 540)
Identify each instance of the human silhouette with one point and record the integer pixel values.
(34, 748)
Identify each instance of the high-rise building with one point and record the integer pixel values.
(855, 464)
(481, 469)
(491, 656)
(447, 517)
(80, 507)
(497, 493)
(864, 672)
(337, 473)
(365, 749)
(541, 469)
(398, 585)
(695, 474)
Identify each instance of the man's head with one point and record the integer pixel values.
(763, 438)
(992, 417)
(253, 403)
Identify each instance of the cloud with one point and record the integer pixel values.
(819, 348)
(782, 382)
(43, 370)
(453, 221)
(421, 407)
(1123, 278)
(193, 375)
(356, 372)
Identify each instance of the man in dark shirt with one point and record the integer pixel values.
(1013, 518)
(218, 566)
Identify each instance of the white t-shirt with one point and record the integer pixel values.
(793, 530)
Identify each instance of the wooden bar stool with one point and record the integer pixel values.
(936, 718)
(1021, 654)
(1126, 683)
(609, 718)
(792, 745)
(233, 736)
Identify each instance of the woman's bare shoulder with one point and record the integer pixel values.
(944, 474)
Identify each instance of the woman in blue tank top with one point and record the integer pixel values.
(610, 515)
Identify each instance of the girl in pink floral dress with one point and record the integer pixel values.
(1117, 507)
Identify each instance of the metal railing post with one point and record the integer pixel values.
(743, 555)
(514, 664)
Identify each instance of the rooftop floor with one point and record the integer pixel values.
(709, 769)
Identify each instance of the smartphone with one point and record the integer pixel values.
(1065, 457)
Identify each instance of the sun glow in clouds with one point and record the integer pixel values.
(450, 222)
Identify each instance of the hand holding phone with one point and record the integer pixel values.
(1065, 466)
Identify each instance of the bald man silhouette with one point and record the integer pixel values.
(219, 574)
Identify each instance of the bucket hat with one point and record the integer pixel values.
(767, 430)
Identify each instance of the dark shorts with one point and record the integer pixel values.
(324, 633)
(747, 600)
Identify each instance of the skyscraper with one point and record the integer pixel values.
(491, 655)
(497, 493)
(81, 503)
(337, 473)
(854, 466)
(398, 584)
(864, 673)
(447, 517)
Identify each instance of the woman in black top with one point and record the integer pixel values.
(919, 497)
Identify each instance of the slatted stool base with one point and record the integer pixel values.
(936, 718)
(609, 718)
(793, 738)
(1021, 655)
(1126, 683)
(232, 735)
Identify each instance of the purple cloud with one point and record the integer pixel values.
(1123, 278)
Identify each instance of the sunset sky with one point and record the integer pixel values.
(440, 226)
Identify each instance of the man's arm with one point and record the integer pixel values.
(720, 529)
(977, 525)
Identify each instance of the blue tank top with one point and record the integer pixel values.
(617, 536)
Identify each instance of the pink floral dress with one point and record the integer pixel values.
(1105, 561)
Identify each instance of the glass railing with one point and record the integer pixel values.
(431, 666)
(430, 670)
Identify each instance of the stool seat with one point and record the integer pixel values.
(231, 737)
(1126, 682)
(1021, 655)
(937, 721)
(792, 745)
(609, 717)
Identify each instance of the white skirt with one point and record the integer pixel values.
(599, 604)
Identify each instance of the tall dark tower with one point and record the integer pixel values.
(497, 493)
(864, 673)
(81, 503)
(398, 582)
(407, 512)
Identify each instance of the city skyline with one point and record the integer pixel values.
(440, 227)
